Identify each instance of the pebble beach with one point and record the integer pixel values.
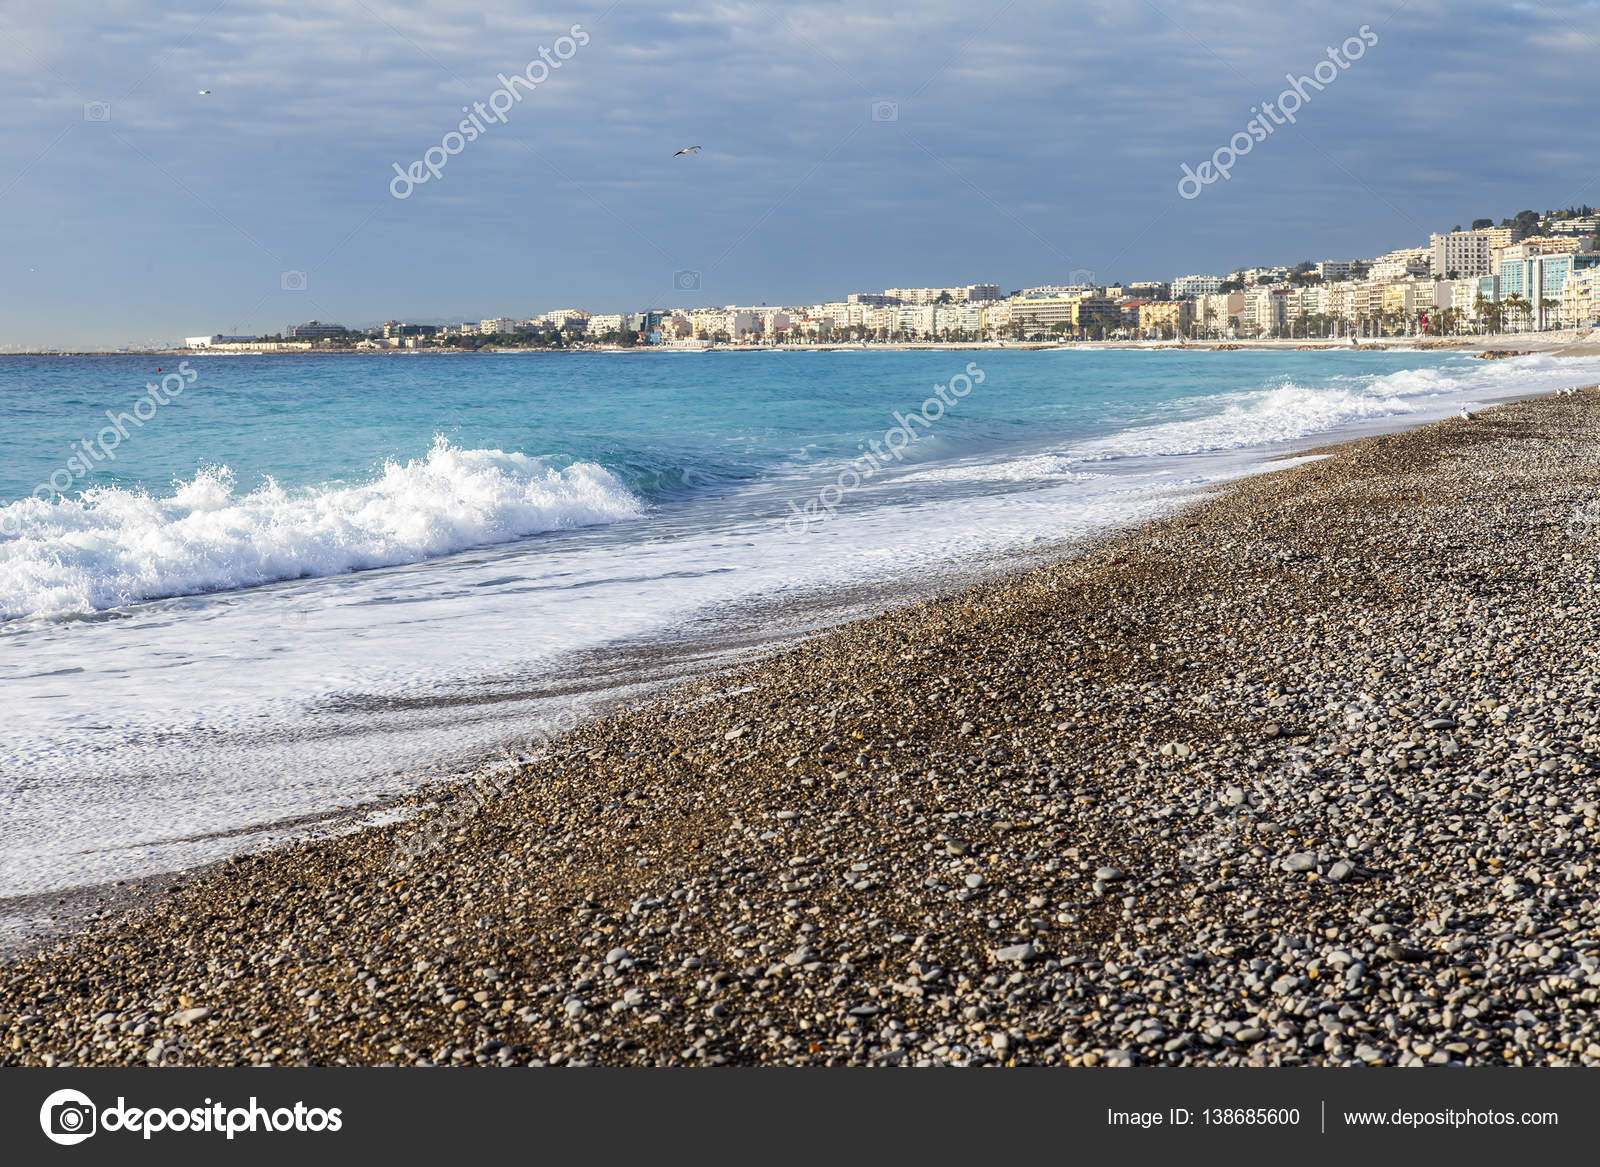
(1304, 774)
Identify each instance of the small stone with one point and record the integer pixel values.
(617, 954)
(1402, 953)
(974, 880)
(1109, 874)
(190, 1016)
(1016, 953)
(1301, 861)
(1340, 871)
(1233, 796)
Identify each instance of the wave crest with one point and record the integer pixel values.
(110, 547)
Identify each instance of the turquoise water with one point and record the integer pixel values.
(287, 586)
(667, 425)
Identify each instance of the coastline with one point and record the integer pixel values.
(1570, 342)
(1057, 817)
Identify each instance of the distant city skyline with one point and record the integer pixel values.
(844, 149)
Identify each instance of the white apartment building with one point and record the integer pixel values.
(1254, 275)
(1058, 291)
(1265, 308)
(1186, 286)
(563, 318)
(1580, 299)
(966, 318)
(913, 319)
(1333, 269)
(839, 315)
(495, 324)
(1467, 253)
(1409, 297)
(735, 322)
(1218, 310)
(1583, 225)
(1307, 300)
(1402, 264)
(922, 296)
(605, 322)
(997, 316)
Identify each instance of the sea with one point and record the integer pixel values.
(247, 597)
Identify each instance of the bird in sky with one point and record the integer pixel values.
(203, 92)
(688, 150)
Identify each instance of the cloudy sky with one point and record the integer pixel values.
(847, 147)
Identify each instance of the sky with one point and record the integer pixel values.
(846, 147)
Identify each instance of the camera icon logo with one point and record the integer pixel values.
(67, 1117)
(96, 111)
(293, 281)
(885, 111)
(1081, 277)
(686, 281)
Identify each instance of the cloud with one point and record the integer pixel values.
(1025, 133)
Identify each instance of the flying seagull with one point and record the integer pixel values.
(203, 92)
(688, 150)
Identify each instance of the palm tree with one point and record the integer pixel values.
(1517, 306)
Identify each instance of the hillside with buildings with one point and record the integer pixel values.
(1527, 274)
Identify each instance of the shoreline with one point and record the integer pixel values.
(1059, 817)
(1574, 342)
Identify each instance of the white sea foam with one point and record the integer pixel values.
(1039, 467)
(112, 547)
(1292, 411)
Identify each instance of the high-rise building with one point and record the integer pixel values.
(1467, 254)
